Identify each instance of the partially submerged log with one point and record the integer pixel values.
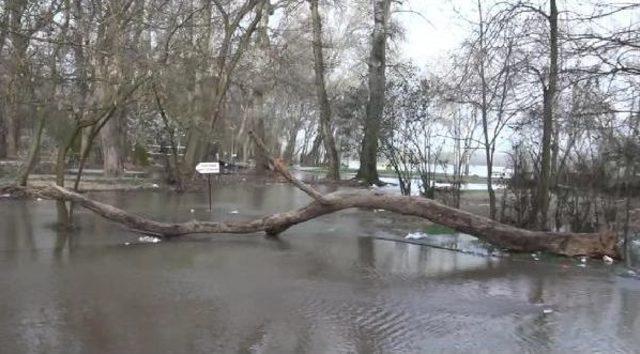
(493, 232)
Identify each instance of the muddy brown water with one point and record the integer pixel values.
(329, 285)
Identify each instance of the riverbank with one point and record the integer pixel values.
(439, 177)
(93, 183)
(475, 201)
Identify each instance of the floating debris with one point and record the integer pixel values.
(155, 185)
(192, 211)
(148, 239)
(582, 265)
(607, 259)
(5, 195)
(535, 256)
(547, 311)
(234, 212)
(127, 243)
(38, 199)
(416, 236)
(583, 260)
(378, 210)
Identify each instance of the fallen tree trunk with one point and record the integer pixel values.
(493, 232)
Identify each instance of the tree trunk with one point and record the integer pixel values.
(61, 159)
(19, 98)
(85, 148)
(193, 151)
(3, 133)
(18, 88)
(333, 172)
(87, 136)
(488, 144)
(176, 176)
(13, 132)
(4, 20)
(262, 164)
(113, 150)
(246, 143)
(547, 129)
(368, 171)
(61, 164)
(34, 150)
(312, 158)
(291, 142)
(493, 210)
(491, 231)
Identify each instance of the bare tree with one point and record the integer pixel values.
(236, 39)
(487, 83)
(368, 171)
(321, 92)
(548, 115)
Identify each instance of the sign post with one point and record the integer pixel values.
(209, 180)
(208, 168)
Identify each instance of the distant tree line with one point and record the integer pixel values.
(555, 86)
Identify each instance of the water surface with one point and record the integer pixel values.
(329, 285)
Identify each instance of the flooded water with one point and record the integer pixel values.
(336, 284)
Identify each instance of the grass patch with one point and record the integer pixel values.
(437, 229)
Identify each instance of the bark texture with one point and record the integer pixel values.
(547, 129)
(290, 150)
(321, 93)
(19, 88)
(484, 110)
(501, 235)
(262, 163)
(34, 150)
(113, 146)
(368, 170)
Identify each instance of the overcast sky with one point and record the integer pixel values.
(436, 27)
(433, 28)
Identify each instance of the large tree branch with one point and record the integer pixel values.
(493, 232)
(281, 169)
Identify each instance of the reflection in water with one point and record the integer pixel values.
(326, 285)
(64, 228)
(366, 252)
(18, 230)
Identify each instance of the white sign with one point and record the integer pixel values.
(208, 167)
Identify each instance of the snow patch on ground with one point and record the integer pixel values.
(416, 236)
(148, 239)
